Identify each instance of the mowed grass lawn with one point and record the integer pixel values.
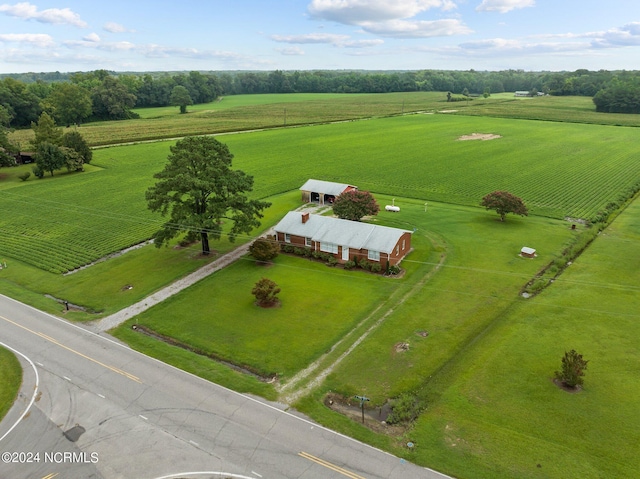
(485, 370)
(496, 412)
(319, 304)
(10, 380)
(481, 277)
(482, 273)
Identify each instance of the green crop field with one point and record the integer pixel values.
(558, 169)
(249, 112)
(236, 101)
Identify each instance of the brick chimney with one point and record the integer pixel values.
(305, 217)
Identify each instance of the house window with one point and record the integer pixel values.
(329, 247)
(403, 245)
(307, 241)
(373, 255)
(287, 238)
(397, 249)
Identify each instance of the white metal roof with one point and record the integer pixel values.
(353, 234)
(527, 250)
(325, 187)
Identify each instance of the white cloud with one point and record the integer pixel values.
(417, 29)
(628, 35)
(327, 38)
(94, 42)
(113, 27)
(500, 47)
(58, 16)
(354, 12)
(160, 51)
(310, 38)
(92, 37)
(361, 43)
(291, 51)
(390, 19)
(504, 6)
(40, 40)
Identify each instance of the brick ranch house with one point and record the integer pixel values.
(345, 240)
(323, 192)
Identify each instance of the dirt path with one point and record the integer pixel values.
(109, 322)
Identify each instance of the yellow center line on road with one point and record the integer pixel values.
(328, 465)
(53, 474)
(58, 343)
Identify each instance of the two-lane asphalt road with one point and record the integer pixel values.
(102, 410)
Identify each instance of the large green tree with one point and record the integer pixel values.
(22, 105)
(503, 202)
(69, 103)
(180, 97)
(112, 100)
(49, 157)
(46, 131)
(198, 190)
(75, 141)
(621, 95)
(355, 204)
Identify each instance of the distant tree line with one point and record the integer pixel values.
(98, 95)
(620, 95)
(102, 95)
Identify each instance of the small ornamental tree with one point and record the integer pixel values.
(266, 292)
(573, 367)
(73, 160)
(504, 202)
(354, 204)
(264, 249)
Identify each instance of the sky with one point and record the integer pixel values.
(214, 35)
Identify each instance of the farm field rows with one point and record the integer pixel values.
(249, 112)
(559, 170)
(570, 109)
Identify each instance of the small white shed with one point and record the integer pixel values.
(528, 252)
